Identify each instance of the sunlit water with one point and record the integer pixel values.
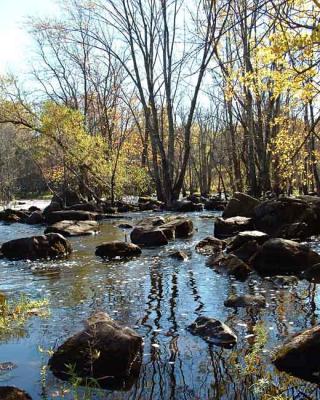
(158, 297)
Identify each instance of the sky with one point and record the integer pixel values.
(15, 43)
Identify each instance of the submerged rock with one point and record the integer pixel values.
(210, 246)
(231, 265)
(104, 351)
(300, 356)
(213, 331)
(241, 205)
(117, 249)
(246, 300)
(281, 256)
(50, 246)
(224, 228)
(13, 393)
(179, 255)
(74, 228)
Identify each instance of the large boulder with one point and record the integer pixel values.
(213, 331)
(224, 228)
(291, 218)
(117, 249)
(48, 246)
(74, 228)
(282, 256)
(300, 356)
(70, 215)
(229, 264)
(156, 232)
(104, 351)
(210, 246)
(241, 205)
(13, 393)
(148, 237)
(246, 244)
(182, 227)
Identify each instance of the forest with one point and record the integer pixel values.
(160, 202)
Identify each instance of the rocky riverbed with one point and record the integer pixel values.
(180, 307)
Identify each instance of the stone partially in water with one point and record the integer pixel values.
(74, 228)
(312, 274)
(179, 255)
(281, 256)
(104, 351)
(13, 393)
(117, 249)
(213, 331)
(241, 205)
(48, 246)
(224, 228)
(300, 356)
(210, 246)
(231, 265)
(246, 300)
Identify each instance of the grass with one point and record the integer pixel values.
(14, 314)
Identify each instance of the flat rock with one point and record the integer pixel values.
(117, 351)
(117, 249)
(50, 246)
(74, 228)
(213, 331)
(246, 300)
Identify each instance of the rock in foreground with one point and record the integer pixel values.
(117, 249)
(104, 351)
(13, 393)
(224, 228)
(50, 246)
(74, 228)
(213, 331)
(300, 356)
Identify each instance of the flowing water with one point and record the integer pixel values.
(158, 297)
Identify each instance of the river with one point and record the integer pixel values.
(158, 297)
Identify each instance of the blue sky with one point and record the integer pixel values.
(15, 44)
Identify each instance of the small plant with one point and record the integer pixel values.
(14, 313)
